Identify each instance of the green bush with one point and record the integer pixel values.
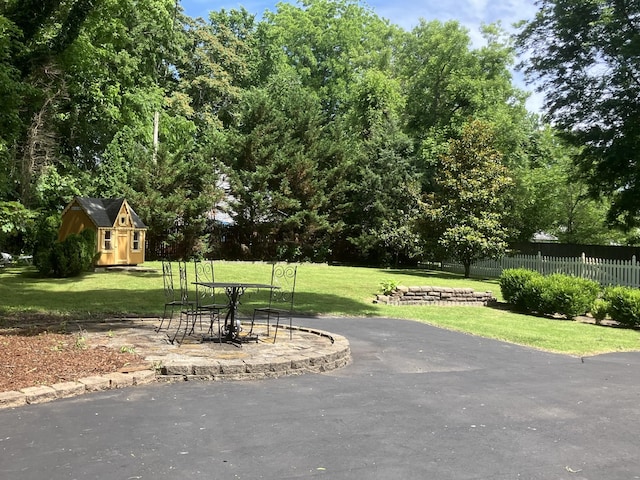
(557, 293)
(568, 295)
(599, 310)
(46, 237)
(624, 305)
(512, 285)
(74, 255)
(532, 296)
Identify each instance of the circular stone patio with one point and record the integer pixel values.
(308, 350)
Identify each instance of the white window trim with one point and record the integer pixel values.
(134, 241)
(107, 237)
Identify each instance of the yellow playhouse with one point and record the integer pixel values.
(120, 234)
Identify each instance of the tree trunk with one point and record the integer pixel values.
(467, 269)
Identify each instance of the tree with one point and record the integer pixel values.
(117, 75)
(553, 197)
(36, 34)
(380, 194)
(213, 65)
(16, 222)
(465, 212)
(277, 156)
(127, 81)
(12, 93)
(172, 193)
(448, 81)
(330, 43)
(584, 54)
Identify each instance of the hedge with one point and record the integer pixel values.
(554, 294)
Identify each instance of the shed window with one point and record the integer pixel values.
(107, 240)
(136, 240)
(123, 220)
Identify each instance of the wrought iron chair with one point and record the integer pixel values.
(187, 307)
(283, 281)
(170, 298)
(206, 296)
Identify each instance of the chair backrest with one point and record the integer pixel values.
(283, 275)
(204, 273)
(167, 279)
(184, 285)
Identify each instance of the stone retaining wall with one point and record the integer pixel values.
(45, 393)
(269, 364)
(436, 296)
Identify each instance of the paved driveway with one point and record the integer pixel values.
(416, 403)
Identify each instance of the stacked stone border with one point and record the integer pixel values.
(295, 362)
(337, 355)
(436, 296)
(41, 394)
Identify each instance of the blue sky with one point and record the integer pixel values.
(406, 13)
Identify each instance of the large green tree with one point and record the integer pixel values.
(35, 35)
(326, 103)
(161, 135)
(465, 213)
(330, 43)
(380, 194)
(279, 169)
(551, 196)
(117, 73)
(584, 54)
(11, 92)
(447, 80)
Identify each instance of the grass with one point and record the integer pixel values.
(320, 290)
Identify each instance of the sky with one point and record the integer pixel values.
(406, 13)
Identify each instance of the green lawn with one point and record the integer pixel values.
(320, 290)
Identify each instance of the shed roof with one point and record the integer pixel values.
(104, 211)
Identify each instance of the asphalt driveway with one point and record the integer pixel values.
(416, 403)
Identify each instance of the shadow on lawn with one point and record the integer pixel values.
(309, 304)
(436, 274)
(71, 312)
(29, 302)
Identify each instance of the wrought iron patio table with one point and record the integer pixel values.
(234, 291)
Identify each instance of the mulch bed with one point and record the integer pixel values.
(39, 352)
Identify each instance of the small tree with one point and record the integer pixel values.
(464, 213)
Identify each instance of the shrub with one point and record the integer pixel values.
(387, 287)
(599, 310)
(70, 257)
(532, 296)
(558, 293)
(46, 237)
(512, 285)
(568, 295)
(624, 305)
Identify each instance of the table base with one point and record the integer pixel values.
(237, 340)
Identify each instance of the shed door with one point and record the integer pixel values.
(123, 248)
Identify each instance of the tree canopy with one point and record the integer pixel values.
(318, 127)
(584, 54)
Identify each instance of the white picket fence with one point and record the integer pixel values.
(603, 271)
